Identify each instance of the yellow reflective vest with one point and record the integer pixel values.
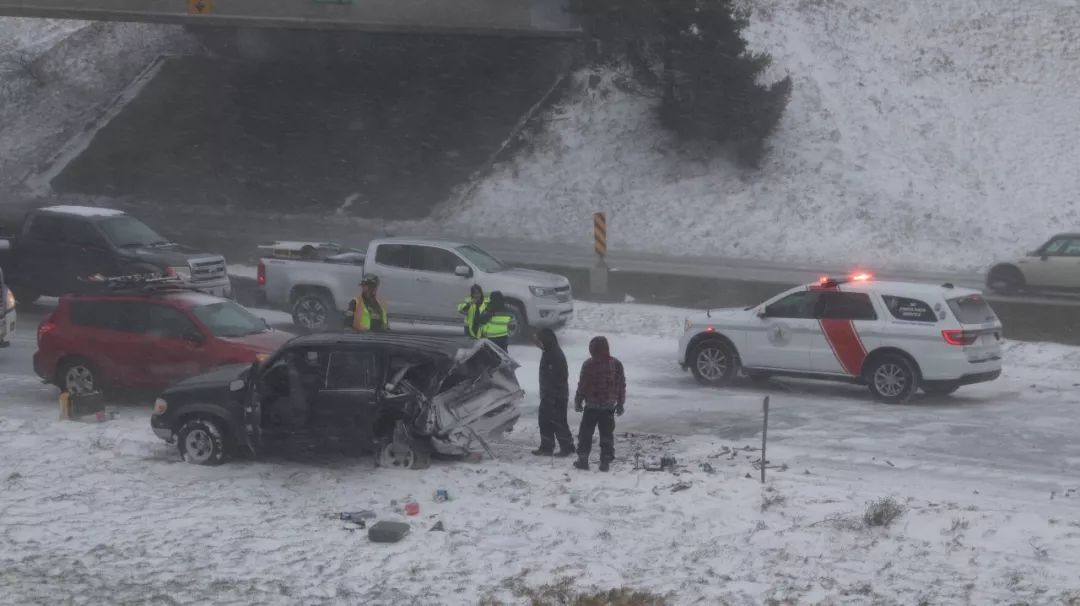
(361, 320)
(470, 310)
(497, 326)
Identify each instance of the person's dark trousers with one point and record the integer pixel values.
(502, 342)
(592, 419)
(554, 426)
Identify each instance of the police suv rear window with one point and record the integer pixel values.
(972, 309)
(911, 310)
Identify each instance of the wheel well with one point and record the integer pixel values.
(223, 423)
(60, 364)
(710, 336)
(299, 291)
(887, 351)
(1005, 267)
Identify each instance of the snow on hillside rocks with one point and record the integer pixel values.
(56, 77)
(920, 133)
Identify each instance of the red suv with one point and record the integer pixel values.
(120, 342)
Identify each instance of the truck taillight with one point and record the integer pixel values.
(47, 325)
(959, 337)
(261, 276)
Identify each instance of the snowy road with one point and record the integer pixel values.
(93, 513)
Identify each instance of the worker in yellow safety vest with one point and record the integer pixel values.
(497, 324)
(473, 309)
(367, 313)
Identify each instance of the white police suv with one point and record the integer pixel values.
(895, 337)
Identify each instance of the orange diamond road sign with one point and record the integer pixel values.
(200, 7)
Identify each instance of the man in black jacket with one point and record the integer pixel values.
(554, 397)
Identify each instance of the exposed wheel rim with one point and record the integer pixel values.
(311, 313)
(79, 380)
(198, 446)
(890, 380)
(396, 457)
(712, 363)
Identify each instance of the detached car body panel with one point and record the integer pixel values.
(448, 394)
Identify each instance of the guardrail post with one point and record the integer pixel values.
(598, 273)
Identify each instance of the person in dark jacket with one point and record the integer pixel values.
(601, 395)
(554, 397)
(496, 323)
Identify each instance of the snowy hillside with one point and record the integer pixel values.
(57, 76)
(919, 133)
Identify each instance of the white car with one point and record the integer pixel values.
(895, 337)
(1053, 266)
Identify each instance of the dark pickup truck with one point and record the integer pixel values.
(59, 246)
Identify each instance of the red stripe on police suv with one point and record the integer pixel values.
(846, 344)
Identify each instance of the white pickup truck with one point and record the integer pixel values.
(421, 281)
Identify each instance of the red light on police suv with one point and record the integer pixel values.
(959, 337)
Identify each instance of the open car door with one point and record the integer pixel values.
(253, 412)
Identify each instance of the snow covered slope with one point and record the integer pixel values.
(932, 133)
(57, 76)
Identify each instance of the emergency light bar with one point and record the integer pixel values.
(856, 277)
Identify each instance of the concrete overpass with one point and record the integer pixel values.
(502, 17)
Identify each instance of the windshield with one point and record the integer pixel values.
(972, 310)
(483, 261)
(227, 319)
(129, 231)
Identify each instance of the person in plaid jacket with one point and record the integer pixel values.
(601, 396)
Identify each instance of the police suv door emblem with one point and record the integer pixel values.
(780, 335)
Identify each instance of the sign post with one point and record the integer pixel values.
(598, 273)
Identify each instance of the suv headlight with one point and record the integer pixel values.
(543, 291)
(184, 273)
(9, 300)
(160, 406)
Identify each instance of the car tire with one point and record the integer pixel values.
(892, 379)
(940, 389)
(315, 312)
(201, 441)
(415, 455)
(1006, 280)
(79, 377)
(713, 362)
(519, 323)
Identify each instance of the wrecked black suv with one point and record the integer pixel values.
(401, 397)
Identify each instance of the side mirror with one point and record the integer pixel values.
(463, 271)
(236, 385)
(195, 338)
(764, 313)
(1044, 257)
(266, 324)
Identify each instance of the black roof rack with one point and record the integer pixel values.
(142, 284)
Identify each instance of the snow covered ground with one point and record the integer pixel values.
(106, 513)
(920, 133)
